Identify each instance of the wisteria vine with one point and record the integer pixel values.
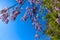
(32, 13)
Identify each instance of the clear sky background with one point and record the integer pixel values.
(18, 29)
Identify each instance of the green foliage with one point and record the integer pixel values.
(53, 28)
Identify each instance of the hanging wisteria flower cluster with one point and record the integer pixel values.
(34, 16)
(4, 15)
(15, 13)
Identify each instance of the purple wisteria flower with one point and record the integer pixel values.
(58, 20)
(20, 1)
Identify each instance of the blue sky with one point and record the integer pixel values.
(19, 30)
